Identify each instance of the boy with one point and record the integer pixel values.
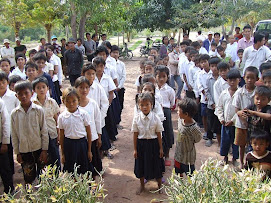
(183, 46)
(183, 60)
(263, 68)
(223, 56)
(193, 74)
(267, 78)
(212, 120)
(154, 51)
(224, 44)
(225, 113)
(149, 67)
(29, 133)
(5, 65)
(51, 111)
(240, 65)
(213, 51)
(31, 54)
(31, 71)
(13, 79)
(80, 46)
(202, 87)
(244, 98)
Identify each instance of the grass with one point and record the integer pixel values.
(136, 44)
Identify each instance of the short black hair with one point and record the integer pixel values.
(185, 34)
(266, 74)
(192, 52)
(237, 28)
(19, 56)
(5, 59)
(195, 44)
(214, 44)
(154, 48)
(115, 48)
(263, 91)
(258, 37)
(223, 66)
(146, 96)
(259, 134)
(217, 33)
(247, 27)
(220, 48)
(79, 39)
(214, 60)
(252, 69)
(161, 69)
(101, 49)
(147, 77)
(32, 51)
(49, 46)
(40, 56)
(204, 57)
(14, 79)
(87, 67)
(108, 45)
(97, 60)
(3, 76)
(240, 51)
(31, 65)
(188, 49)
(188, 106)
(199, 32)
(224, 41)
(94, 35)
(22, 85)
(42, 39)
(233, 74)
(81, 80)
(150, 62)
(184, 43)
(265, 66)
(87, 34)
(40, 80)
(103, 35)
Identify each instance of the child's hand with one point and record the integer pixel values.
(4, 149)
(190, 88)
(90, 156)
(230, 123)
(222, 123)
(161, 153)
(43, 156)
(249, 112)
(63, 159)
(242, 114)
(19, 158)
(213, 106)
(135, 154)
(99, 142)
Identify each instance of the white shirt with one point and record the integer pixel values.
(232, 51)
(201, 37)
(186, 69)
(95, 118)
(18, 72)
(74, 124)
(202, 50)
(121, 73)
(183, 61)
(111, 71)
(219, 86)
(48, 67)
(137, 82)
(147, 126)
(213, 53)
(60, 71)
(168, 95)
(107, 83)
(253, 57)
(4, 124)
(111, 62)
(10, 100)
(158, 96)
(53, 60)
(10, 54)
(193, 75)
(202, 85)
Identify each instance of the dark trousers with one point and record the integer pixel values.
(213, 123)
(6, 172)
(227, 140)
(53, 153)
(121, 97)
(190, 94)
(73, 78)
(10, 157)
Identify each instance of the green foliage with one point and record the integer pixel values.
(135, 45)
(213, 183)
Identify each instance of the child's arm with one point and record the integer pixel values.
(5, 122)
(159, 137)
(187, 84)
(265, 116)
(111, 97)
(44, 137)
(104, 103)
(172, 97)
(56, 118)
(135, 144)
(197, 134)
(89, 142)
(220, 110)
(61, 142)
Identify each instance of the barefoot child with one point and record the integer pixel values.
(148, 151)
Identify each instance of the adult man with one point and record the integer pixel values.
(103, 37)
(63, 50)
(9, 53)
(247, 40)
(200, 36)
(90, 47)
(19, 49)
(57, 47)
(256, 54)
(207, 43)
(74, 60)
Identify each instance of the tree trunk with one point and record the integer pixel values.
(82, 26)
(67, 31)
(96, 28)
(73, 21)
(223, 30)
(232, 27)
(48, 28)
(128, 36)
(179, 37)
(123, 40)
(17, 27)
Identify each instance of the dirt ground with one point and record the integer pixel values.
(119, 179)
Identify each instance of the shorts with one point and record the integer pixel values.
(203, 109)
(240, 137)
(183, 168)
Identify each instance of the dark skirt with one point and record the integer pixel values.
(148, 164)
(106, 145)
(110, 124)
(58, 93)
(116, 109)
(76, 152)
(168, 129)
(96, 158)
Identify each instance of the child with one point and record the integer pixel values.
(263, 68)
(244, 98)
(75, 134)
(5, 65)
(267, 78)
(202, 87)
(13, 79)
(89, 105)
(148, 151)
(188, 134)
(80, 46)
(240, 66)
(259, 158)
(142, 72)
(225, 113)
(30, 138)
(224, 44)
(213, 50)
(31, 70)
(51, 110)
(168, 95)
(19, 70)
(183, 46)
(31, 54)
(212, 120)
(193, 74)
(154, 51)
(226, 57)
(149, 67)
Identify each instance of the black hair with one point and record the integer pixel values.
(142, 61)
(5, 59)
(40, 80)
(32, 51)
(115, 48)
(87, 34)
(258, 37)
(160, 69)
(193, 51)
(188, 49)
(108, 45)
(259, 134)
(220, 48)
(40, 56)
(223, 66)
(213, 44)
(204, 57)
(147, 77)
(14, 79)
(150, 62)
(88, 67)
(148, 83)
(41, 51)
(97, 60)
(240, 51)
(265, 66)
(224, 41)
(101, 49)
(22, 85)
(3, 76)
(263, 91)
(31, 65)
(42, 39)
(103, 35)
(233, 74)
(19, 56)
(184, 43)
(247, 27)
(217, 33)
(153, 48)
(172, 38)
(49, 46)
(185, 34)
(197, 58)
(63, 39)
(81, 80)
(199, 32)
(188, 106)
(214, 60)
(266, 74)
(79, 39)
(252, 69)
(94, 35)
(195, 44)
(163, 38)
(145, 97)
(174, 45)
(237, 28)
(70, 91)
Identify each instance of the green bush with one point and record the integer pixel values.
(213, 183)
(64, 187)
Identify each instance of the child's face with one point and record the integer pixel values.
(223, 73)
(161, 78)
(181, 114)
(11, 86)
(233, 83)
(31, 73)
(154, 52)
(267, 81)
(40, 64)
(259, 146)
(49, 52)
(41, 89)
(99, 69)
(24, 96)
(115, 54)
(31, 57)
(71, 102)
(103, 55)
(183, 47)
(261, 101)
(79, 43)
(191, 57)
(142, 69)
(224, 45)
(213, 68)
(231, 39)
(151, 58)
(221, 52)
(90, 75)
(250, 79)
(20, 62)
(165, 61)
(205, 65)
(213, 48)
(145, 106)
(149, 69)
(5, 66)
(83, 90)
(240, 55)
(3, 85)
(148, 88)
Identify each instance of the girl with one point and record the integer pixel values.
(148, 150)
(82, 84)
(168, 95)
(75, 134)
(142, 72)
(164, 48)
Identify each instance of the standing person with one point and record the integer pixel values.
(207, 43)
(19, 49)
(247, 40)
(80, 46)
(62, 58)
(90, 47)
(104, 38)
(20, 69)
(74, 60)
(200, 36)
(42, 45)
(57, 47)
(9, 53)
(5, 66)
(232, 49)
(164, 48)
(237, 35)
(185, 37)
(217, 39)
(148, 151)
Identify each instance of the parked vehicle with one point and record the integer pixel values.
(144, 50)
(265, 27)
(125, 52)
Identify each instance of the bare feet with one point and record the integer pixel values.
(140, 190)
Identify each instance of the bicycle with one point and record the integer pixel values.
(144, 50)
(125, 52)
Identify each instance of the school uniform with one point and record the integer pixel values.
(75, 141)
(192, 75)
(138, 81)
(121, 77)
(186, 69)
(219, 86)
(18, 72)
(96, 128)
(148, 163)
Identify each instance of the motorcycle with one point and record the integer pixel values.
(125, 52)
